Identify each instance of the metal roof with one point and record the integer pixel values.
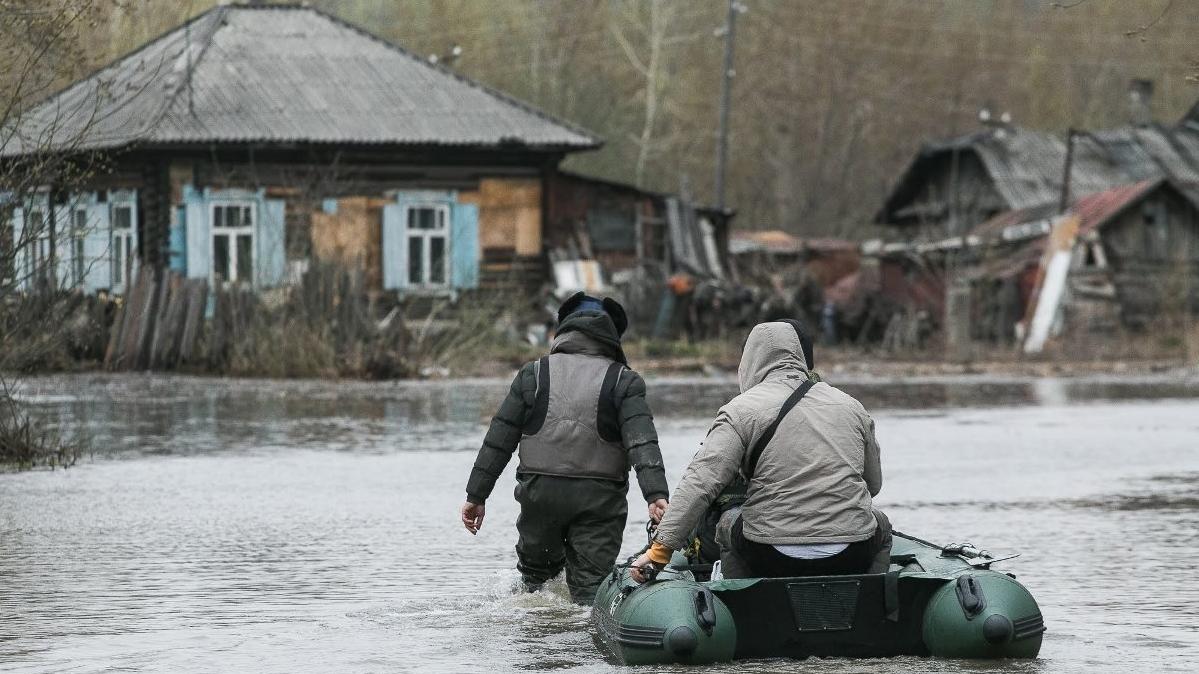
(283, 74)
(1094, 211)
(1191, 119)
(1026, 166)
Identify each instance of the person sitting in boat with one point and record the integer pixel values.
(810, 462)
(580, 419)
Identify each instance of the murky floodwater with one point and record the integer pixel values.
(303, 526)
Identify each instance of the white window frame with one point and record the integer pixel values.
(121, 276)
(426, 236)
(37, 255)
(232, 233)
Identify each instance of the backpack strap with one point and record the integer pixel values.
(607, 416)
(541, 400)
(768, 435)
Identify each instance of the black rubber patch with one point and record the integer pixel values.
(607, 417)
(824, 605)
(541, 404)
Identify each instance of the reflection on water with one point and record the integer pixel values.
(309, 526)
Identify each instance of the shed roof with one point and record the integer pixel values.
(1094, 211)
(283, 74)
(1026, 166)
(1191, 119)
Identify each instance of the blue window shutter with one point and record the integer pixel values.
(18, 262)
(97, 262)
(464, 244)
(199, 231)
(395, 247)
(177, 254)
(272, 252)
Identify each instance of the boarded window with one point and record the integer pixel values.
(612, 230)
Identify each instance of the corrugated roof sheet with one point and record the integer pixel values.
(767, 241)
(1026, 166)
(1191, 119)
(1096, 210)
(1093, 210)
(283, 74)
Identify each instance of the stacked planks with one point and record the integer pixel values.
(158, 324)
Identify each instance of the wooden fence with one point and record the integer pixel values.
(158, 325)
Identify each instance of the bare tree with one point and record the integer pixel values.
(43, 160)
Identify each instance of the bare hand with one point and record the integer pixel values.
(472, 516)
(657, 509)
(635, 570)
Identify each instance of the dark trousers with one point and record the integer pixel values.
(576, 523)
(764, 561)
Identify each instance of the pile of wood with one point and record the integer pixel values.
(158, 325)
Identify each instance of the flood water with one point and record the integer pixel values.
(226, 526)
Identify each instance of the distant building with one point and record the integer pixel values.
(954, 184)
(1131, 242)
(255, 140)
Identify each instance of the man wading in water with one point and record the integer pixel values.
(581, 420)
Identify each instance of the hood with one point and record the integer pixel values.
(591, 333)
(772, 351)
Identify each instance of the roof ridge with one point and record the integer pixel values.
(218, 20)
(527, 107)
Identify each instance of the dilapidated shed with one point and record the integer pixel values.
(1134, 256)
(952, 185)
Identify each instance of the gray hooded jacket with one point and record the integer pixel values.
(814, 479)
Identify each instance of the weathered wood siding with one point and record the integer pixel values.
(1153, 253)
(954, 193)
(510, 232)
(509, 214)
(348, 231)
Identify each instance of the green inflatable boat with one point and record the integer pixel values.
(939, 601)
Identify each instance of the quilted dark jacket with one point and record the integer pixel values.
(590, 333)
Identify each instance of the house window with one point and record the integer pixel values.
(122, 245)
(428, 246)
(232, 243)
(37, 238)
(78, 231)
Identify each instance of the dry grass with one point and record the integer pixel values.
(27, 444)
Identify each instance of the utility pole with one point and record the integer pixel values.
(726, 85)
(1064, 203)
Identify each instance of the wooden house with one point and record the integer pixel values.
(1133, 252)
(952, 185)
(256, 140)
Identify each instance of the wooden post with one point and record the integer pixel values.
(957, 319)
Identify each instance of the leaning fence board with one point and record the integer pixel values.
(197, 301)
(145, 314)
(159, 325)
(116, 358)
